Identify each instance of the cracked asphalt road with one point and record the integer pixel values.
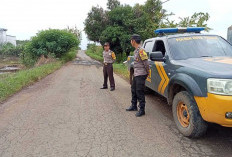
(66, 114)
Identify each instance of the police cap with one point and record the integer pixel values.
(107, 44)
(136, 37)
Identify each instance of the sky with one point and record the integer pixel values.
(24, 18)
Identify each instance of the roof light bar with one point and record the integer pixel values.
(179, 30)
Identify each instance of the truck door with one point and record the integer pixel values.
(148, 46)
(160, 78)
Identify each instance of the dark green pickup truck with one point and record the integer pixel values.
(194, 72)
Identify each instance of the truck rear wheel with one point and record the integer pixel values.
(187, 115)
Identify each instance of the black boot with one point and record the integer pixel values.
(140, 113)
(132, 108)
(112, 88)
(104, 88)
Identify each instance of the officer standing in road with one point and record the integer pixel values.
(141, 71)
(109, 59)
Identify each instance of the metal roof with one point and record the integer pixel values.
(230, 28)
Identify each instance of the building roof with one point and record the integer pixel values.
(3, 29)
(230, 28)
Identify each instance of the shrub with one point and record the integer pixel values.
(121, 58)
(9, 49)
(69, 56)
(52, 42)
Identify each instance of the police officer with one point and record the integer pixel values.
(109, 59)
(141, 71)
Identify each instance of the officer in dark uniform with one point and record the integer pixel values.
(141, 71)
(109, 59)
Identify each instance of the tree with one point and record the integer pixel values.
(75, 31)
(95, 23)
(112, 4)
(117, 24)
(119, 29)
(196, 20)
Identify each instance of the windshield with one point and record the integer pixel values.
(199, 46)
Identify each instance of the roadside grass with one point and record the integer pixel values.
(12, 83)
(95, 54)
(9, 61)
(71, 55)
(2, 76)
(119, 68)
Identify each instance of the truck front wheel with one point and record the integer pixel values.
(187, 116)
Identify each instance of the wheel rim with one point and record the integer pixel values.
(183, 114)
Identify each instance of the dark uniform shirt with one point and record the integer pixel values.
(141, 64)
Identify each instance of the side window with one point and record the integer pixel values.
(159, 46)
(148, 46)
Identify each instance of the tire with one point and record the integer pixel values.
(187, 116)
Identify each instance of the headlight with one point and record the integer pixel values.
(220, 86)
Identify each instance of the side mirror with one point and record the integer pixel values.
(157, 56)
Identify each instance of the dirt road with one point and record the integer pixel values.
(66, 114)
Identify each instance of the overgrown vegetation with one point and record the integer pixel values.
(15, 82)
(119, 22)
(60, 45)
(9, 49)
(12, 83)
(69, 56)
(95, 52)
(49, 43)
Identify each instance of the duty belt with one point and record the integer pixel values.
(107, 63)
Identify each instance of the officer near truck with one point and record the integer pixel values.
(109, 59)
(141, 71)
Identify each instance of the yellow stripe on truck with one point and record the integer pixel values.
(161, 75)
(164, 77)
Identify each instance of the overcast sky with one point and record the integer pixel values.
(24, 18)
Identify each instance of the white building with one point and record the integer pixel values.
(4, 38)
(229, 34)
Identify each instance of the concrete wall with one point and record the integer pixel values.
(11, 39)
(6, 38)
(3, 38)
(229, 34)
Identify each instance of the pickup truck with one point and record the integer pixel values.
(194, 72)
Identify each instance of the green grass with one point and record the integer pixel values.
(2, 76)
(69, 56)
(95, 56)
(119, 68)
(14, 82)
(9, 61)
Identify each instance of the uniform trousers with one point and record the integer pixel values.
(138, 91)
(108, 72)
